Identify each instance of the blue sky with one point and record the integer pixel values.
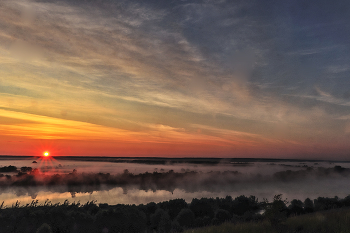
(220, 78)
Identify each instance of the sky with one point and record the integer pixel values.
(177, 78)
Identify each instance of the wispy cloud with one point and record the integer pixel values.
(326, 97)
(41, 127)
(120, 67)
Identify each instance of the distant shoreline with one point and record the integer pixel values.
(164, 160)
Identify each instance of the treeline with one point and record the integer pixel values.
(88, 182)
(169, 216)
(189, 181)
(9, 169)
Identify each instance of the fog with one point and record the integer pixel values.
(108, 165)
(136, 183)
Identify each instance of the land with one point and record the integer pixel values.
(165, 160)
(240, 214)
(329, 221)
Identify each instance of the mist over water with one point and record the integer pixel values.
(144, 183)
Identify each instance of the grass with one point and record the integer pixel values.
(260, 227)
(332, 221)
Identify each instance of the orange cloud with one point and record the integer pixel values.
(43, 127)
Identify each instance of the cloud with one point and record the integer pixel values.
(41, 127)
(137, 58)
(153, 65)
(123, 65)
(335, 69)
(326, 97)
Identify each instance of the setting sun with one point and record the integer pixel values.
(46, 154)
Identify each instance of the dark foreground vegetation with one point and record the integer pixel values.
(330, 221)
(177, 216)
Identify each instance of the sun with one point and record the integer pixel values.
(46, 153)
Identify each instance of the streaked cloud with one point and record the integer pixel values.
(240, 72)
(42, 127)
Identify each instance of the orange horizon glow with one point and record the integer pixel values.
(52, 135)
(76, 80)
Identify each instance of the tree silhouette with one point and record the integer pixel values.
(308, 205)
(185, 218)
(277, 211)
(202, 208)
(223, 215)
(296, 207)
(160, 221)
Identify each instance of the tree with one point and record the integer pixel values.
(160, 221)
(308, 205)
(175, 206)
(277, 211)
(137, 220)
(185, 218)
(243, 204)
(296, 207)
(223, 215)
(202, 208)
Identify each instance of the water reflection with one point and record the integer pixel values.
(118, 195)
(151, 183)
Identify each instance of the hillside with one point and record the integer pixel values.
(330, 221)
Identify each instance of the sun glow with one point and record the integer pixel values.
(46, 153)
